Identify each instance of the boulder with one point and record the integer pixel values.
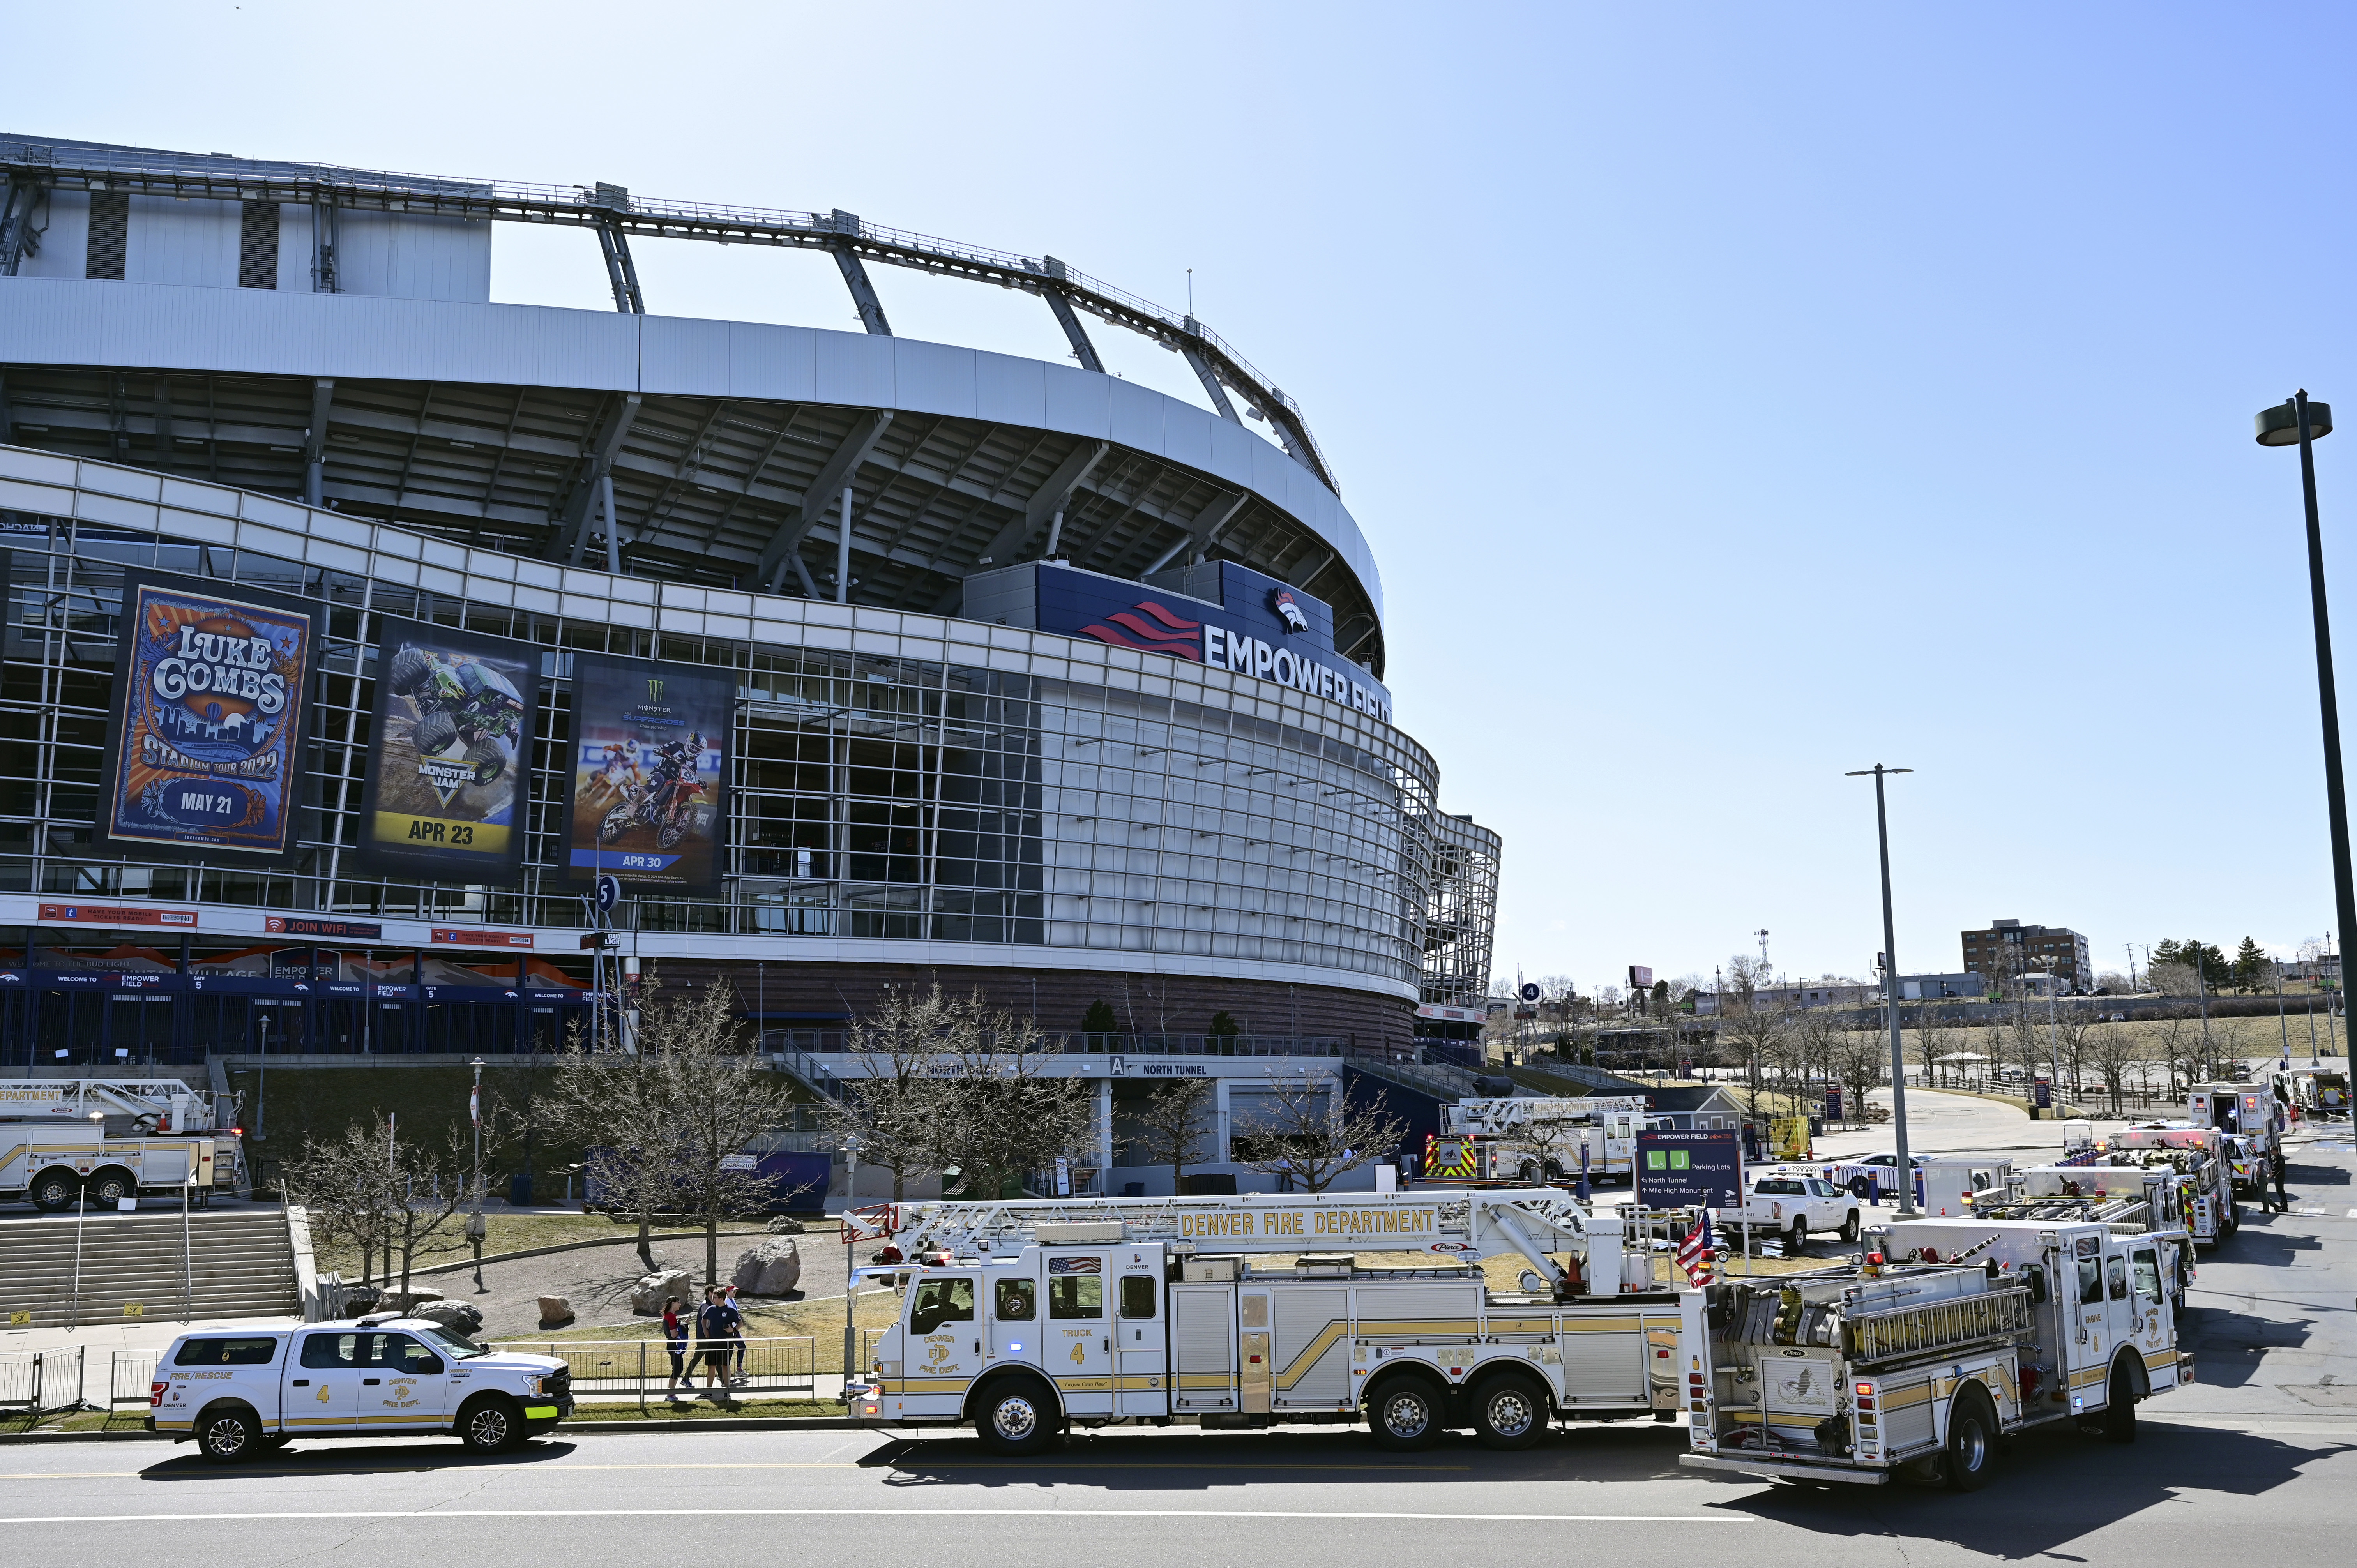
(553, 1310)
(647, 1296)
(460, 1316)
(773, 1267)
(410, 1300)
(786, 1225)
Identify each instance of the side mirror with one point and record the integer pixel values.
(431, 1364)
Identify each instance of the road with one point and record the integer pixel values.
(2254, 1463)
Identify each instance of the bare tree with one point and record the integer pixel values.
(893, 1103)
(1933, 1039)
(1755, 1034)
(2109, 1048)
(611, 1104)
(1002, 1115)
(718, 1095)
(1861, 1062)
(1173, 1128)
(1312, 1132)
(346, 1183)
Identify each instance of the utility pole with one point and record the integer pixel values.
(1904, 1169)
(850, 1265)
(2132, 974)
(474, 1226)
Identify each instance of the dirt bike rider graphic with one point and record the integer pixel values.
(667, 801)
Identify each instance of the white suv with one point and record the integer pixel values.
(238, 1391)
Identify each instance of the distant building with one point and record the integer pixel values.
(2008, 947)
(1933, 987)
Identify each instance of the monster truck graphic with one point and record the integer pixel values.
(458, 699)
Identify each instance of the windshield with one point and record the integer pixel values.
(456, 1346)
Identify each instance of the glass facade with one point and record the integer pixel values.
(899, 777)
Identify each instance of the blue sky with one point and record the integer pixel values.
(1734, 395)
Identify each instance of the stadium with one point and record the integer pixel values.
(857, 661)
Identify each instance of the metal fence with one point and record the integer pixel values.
(128, 1378)
(782, 1365)
(37, 1381)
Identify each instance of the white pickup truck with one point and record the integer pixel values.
(1792, 1206)
(239, 1392)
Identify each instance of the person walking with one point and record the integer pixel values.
(735, 1329)
(676, 1344)
(712, 1340)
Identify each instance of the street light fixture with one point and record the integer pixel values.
(2301, 424)
(1904, 1169)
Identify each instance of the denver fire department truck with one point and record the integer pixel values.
(1950, 1335)
(1029, 1317)
(104, 1140)
(1536, 1139)
(2176, 1192)
(2250, 1111)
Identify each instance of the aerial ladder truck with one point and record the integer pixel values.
(1027, 1318)
(103, 1141)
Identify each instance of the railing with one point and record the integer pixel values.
(803, 1048)
(37, 1381)
(783, 1365)
(129, 1374)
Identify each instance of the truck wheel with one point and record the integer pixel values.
(1016, 1418)
(1509, 1412)
(1972, 1440)
(491, 1424)
(1797, 1238)
(53, 1190)
(1860, 1188)
(2119, 1407)
(410, 667)
(486, 759)
(1404, 1417)
(433, 734)
(229, 1435)
(1849, 1231)
(108, 1189)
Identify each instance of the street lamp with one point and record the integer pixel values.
(2301, 423)
(1904, 1170)
(474, 1226)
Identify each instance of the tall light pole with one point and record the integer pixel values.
(1904, 1171)
(2302, 423)
(475, 1227)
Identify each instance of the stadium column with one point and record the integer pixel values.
(315, 440)
(601, 450)
(1203, 372)
(778, 555)
(1045, 503)
(1082, 349)
(854, 275)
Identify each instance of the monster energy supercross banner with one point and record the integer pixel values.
(205, 742)
(649, 771)
(449, 754)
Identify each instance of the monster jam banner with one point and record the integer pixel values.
(448, 755)
(650, 763)
(204, 743)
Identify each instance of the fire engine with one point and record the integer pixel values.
(1029, 1317)
(111, 1139)
(1532, 1140)
(1946, 1337)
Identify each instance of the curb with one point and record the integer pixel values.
(723, 1423)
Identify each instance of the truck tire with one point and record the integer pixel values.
(1860, 1188)
(486, 759)
(433, 734)
(1016, 1417)
(410, 667)
(54, 1190)
(228, 1434)
(1509, 1412)
(2119, 1421)
(108, 1187)
(1852, 1228)
(1798, 1237)
(1972, 1440)
(1404, 1414)
(490, 1424)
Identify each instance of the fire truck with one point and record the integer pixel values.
(2247, 1111)
(1028, 1317)
(1949, 1335)
(106, 1139)
(1532, 1140)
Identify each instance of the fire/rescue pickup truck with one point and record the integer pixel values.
(1027, 1318)
(1857, 1372)
(240, 1391)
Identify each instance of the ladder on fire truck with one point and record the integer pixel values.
(1466, 1226)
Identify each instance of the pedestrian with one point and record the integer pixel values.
(736, 1329)
(676, 1344)
(2283, 1199)
(712, 1340)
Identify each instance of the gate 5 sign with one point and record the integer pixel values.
(448, 755)
(1681, 1170)
(205, 740)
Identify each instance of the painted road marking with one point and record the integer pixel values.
(887, 1513)
(903, 1462)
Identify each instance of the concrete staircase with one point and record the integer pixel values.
(136, 1267)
